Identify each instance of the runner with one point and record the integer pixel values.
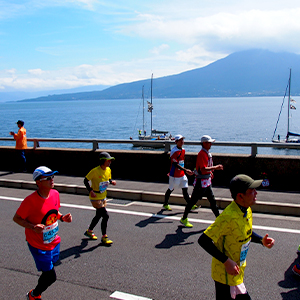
(177, 175)
(228, 240)
(100, 178)
(204, 174)
(39, 213)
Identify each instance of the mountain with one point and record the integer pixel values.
(246, 73)
(17, 95)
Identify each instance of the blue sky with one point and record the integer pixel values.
(62, 44)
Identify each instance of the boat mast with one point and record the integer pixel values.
(151, 101)
(143, 111)
(289, 104)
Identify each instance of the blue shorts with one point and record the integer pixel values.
(44, 259)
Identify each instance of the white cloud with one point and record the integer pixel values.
(159, 49)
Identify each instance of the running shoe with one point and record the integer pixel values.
(167, 207)
(91, 235)
(186, 223)
(296, 269)
(194, 207)
(30, 297)
(106, 241)
(298, 250)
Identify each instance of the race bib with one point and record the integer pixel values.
(50, 233)
(244, 251)
(205, 182)
(103, 186)
(181, 163)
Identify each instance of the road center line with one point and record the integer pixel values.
(149, 215)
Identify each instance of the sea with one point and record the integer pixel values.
(239, 119)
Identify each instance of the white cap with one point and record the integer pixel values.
(42, 171)
(207, 138)
(178, 137)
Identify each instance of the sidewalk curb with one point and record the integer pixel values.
(286, 209)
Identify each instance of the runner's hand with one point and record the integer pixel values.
(38, 228)
(267, 241)
(231, 267)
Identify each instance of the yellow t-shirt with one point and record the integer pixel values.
(231, 233)
(100, 181)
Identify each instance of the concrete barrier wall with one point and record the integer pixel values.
(153, 166)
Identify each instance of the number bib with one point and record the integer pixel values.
(244, 251)
(50, 233)
(181, 163)
(103, 186)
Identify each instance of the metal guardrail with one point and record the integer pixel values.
(163, 144)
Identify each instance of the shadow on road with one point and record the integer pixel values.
(177, 239)
(290, 281)
(78, 250)
(155, 219)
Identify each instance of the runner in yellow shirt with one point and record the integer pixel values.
(229, 237)
(100, 178)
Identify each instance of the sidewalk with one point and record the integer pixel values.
(282, 203)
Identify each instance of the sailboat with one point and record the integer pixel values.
(291, 137)
(155, 135)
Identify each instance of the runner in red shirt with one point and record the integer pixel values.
(177, 173)
(39, 213)
(204, 175)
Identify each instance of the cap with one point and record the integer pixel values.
(106, 156)
(178, 137)
(42, 171)
(207, 138)
(241, 183)
(20, 122)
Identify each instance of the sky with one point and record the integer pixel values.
(63, 44)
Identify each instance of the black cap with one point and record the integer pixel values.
(106, 156)
(241, 183)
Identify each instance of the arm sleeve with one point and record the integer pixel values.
(256, 238)
(87, 184)
(208, 245)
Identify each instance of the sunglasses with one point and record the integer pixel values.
(47, 178)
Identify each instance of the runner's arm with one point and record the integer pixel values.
(87, 184)
(208, 245)
(38, 228)
(256, 238)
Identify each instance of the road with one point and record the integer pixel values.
(153, 256)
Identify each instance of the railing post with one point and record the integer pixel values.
(36, 144)
(95, 145)
(253, 150)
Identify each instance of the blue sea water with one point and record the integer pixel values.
(250, 119)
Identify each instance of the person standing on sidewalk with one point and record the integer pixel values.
(177, 175)
(228, 240)
(204, 174)
(39, 214)
(21, 145)
(100, 178)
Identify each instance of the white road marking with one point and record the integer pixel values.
(149, 215)
(125, 296)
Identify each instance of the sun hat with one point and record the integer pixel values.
(207, 138)
(106, 156)
(42, 171)
(178, 137)
(241, 183)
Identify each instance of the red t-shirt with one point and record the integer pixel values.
(177, 156)
(203, 161)
(38, 210)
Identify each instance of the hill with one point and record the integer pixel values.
(246, 73)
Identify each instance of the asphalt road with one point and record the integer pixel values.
(153, 256)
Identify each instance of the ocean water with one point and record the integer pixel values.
(250, 119)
